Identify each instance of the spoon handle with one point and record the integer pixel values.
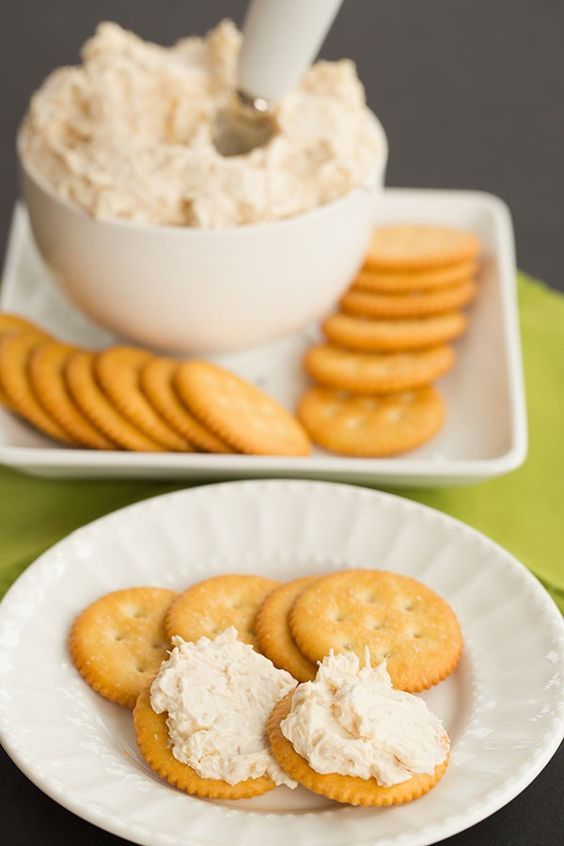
(280, 39)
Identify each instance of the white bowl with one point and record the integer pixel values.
(204, 290)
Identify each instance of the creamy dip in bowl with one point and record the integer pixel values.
(159, 238)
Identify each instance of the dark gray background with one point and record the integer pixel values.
(471, 95)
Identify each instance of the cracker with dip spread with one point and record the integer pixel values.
(202, 723)
(120, 644)
(350, 736)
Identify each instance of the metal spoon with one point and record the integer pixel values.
(280, 39)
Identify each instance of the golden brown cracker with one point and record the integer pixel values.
(4, 400)
(273, 633)
(379, 373)
(408, 247)
(209, 607)
(342, 788)
(15, 353)
(371, 426)
(10, 323)
(118, 374)
(403, 281)
(153, 742)
(46, 371)
(402, 306)
(118, 643)
(238, 412)
(364, 334)
(396, 617)
(157, 383)
(89, 397)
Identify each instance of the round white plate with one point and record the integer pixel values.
(503, 708)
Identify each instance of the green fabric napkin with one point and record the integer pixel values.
(523, 511)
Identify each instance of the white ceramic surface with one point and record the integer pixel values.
(280, 40)
(485, 432)
(503, 707)
(200, 290)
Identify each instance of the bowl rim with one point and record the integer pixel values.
(196, 231)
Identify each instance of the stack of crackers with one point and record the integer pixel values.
(119, 642)
(389, 342)
(128, 398)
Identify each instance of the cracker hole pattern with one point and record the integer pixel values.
(354, 422)
(407, 398)
(365, 596)
(138, 613)
(330, 410)
(394, 415)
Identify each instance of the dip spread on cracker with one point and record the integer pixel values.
(351, 721)
(218, 695)
(212, 677)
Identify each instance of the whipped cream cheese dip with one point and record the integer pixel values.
(350, 720)
(218, 695)
(127, 135)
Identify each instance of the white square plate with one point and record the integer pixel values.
(503, 707)
(486, 431)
